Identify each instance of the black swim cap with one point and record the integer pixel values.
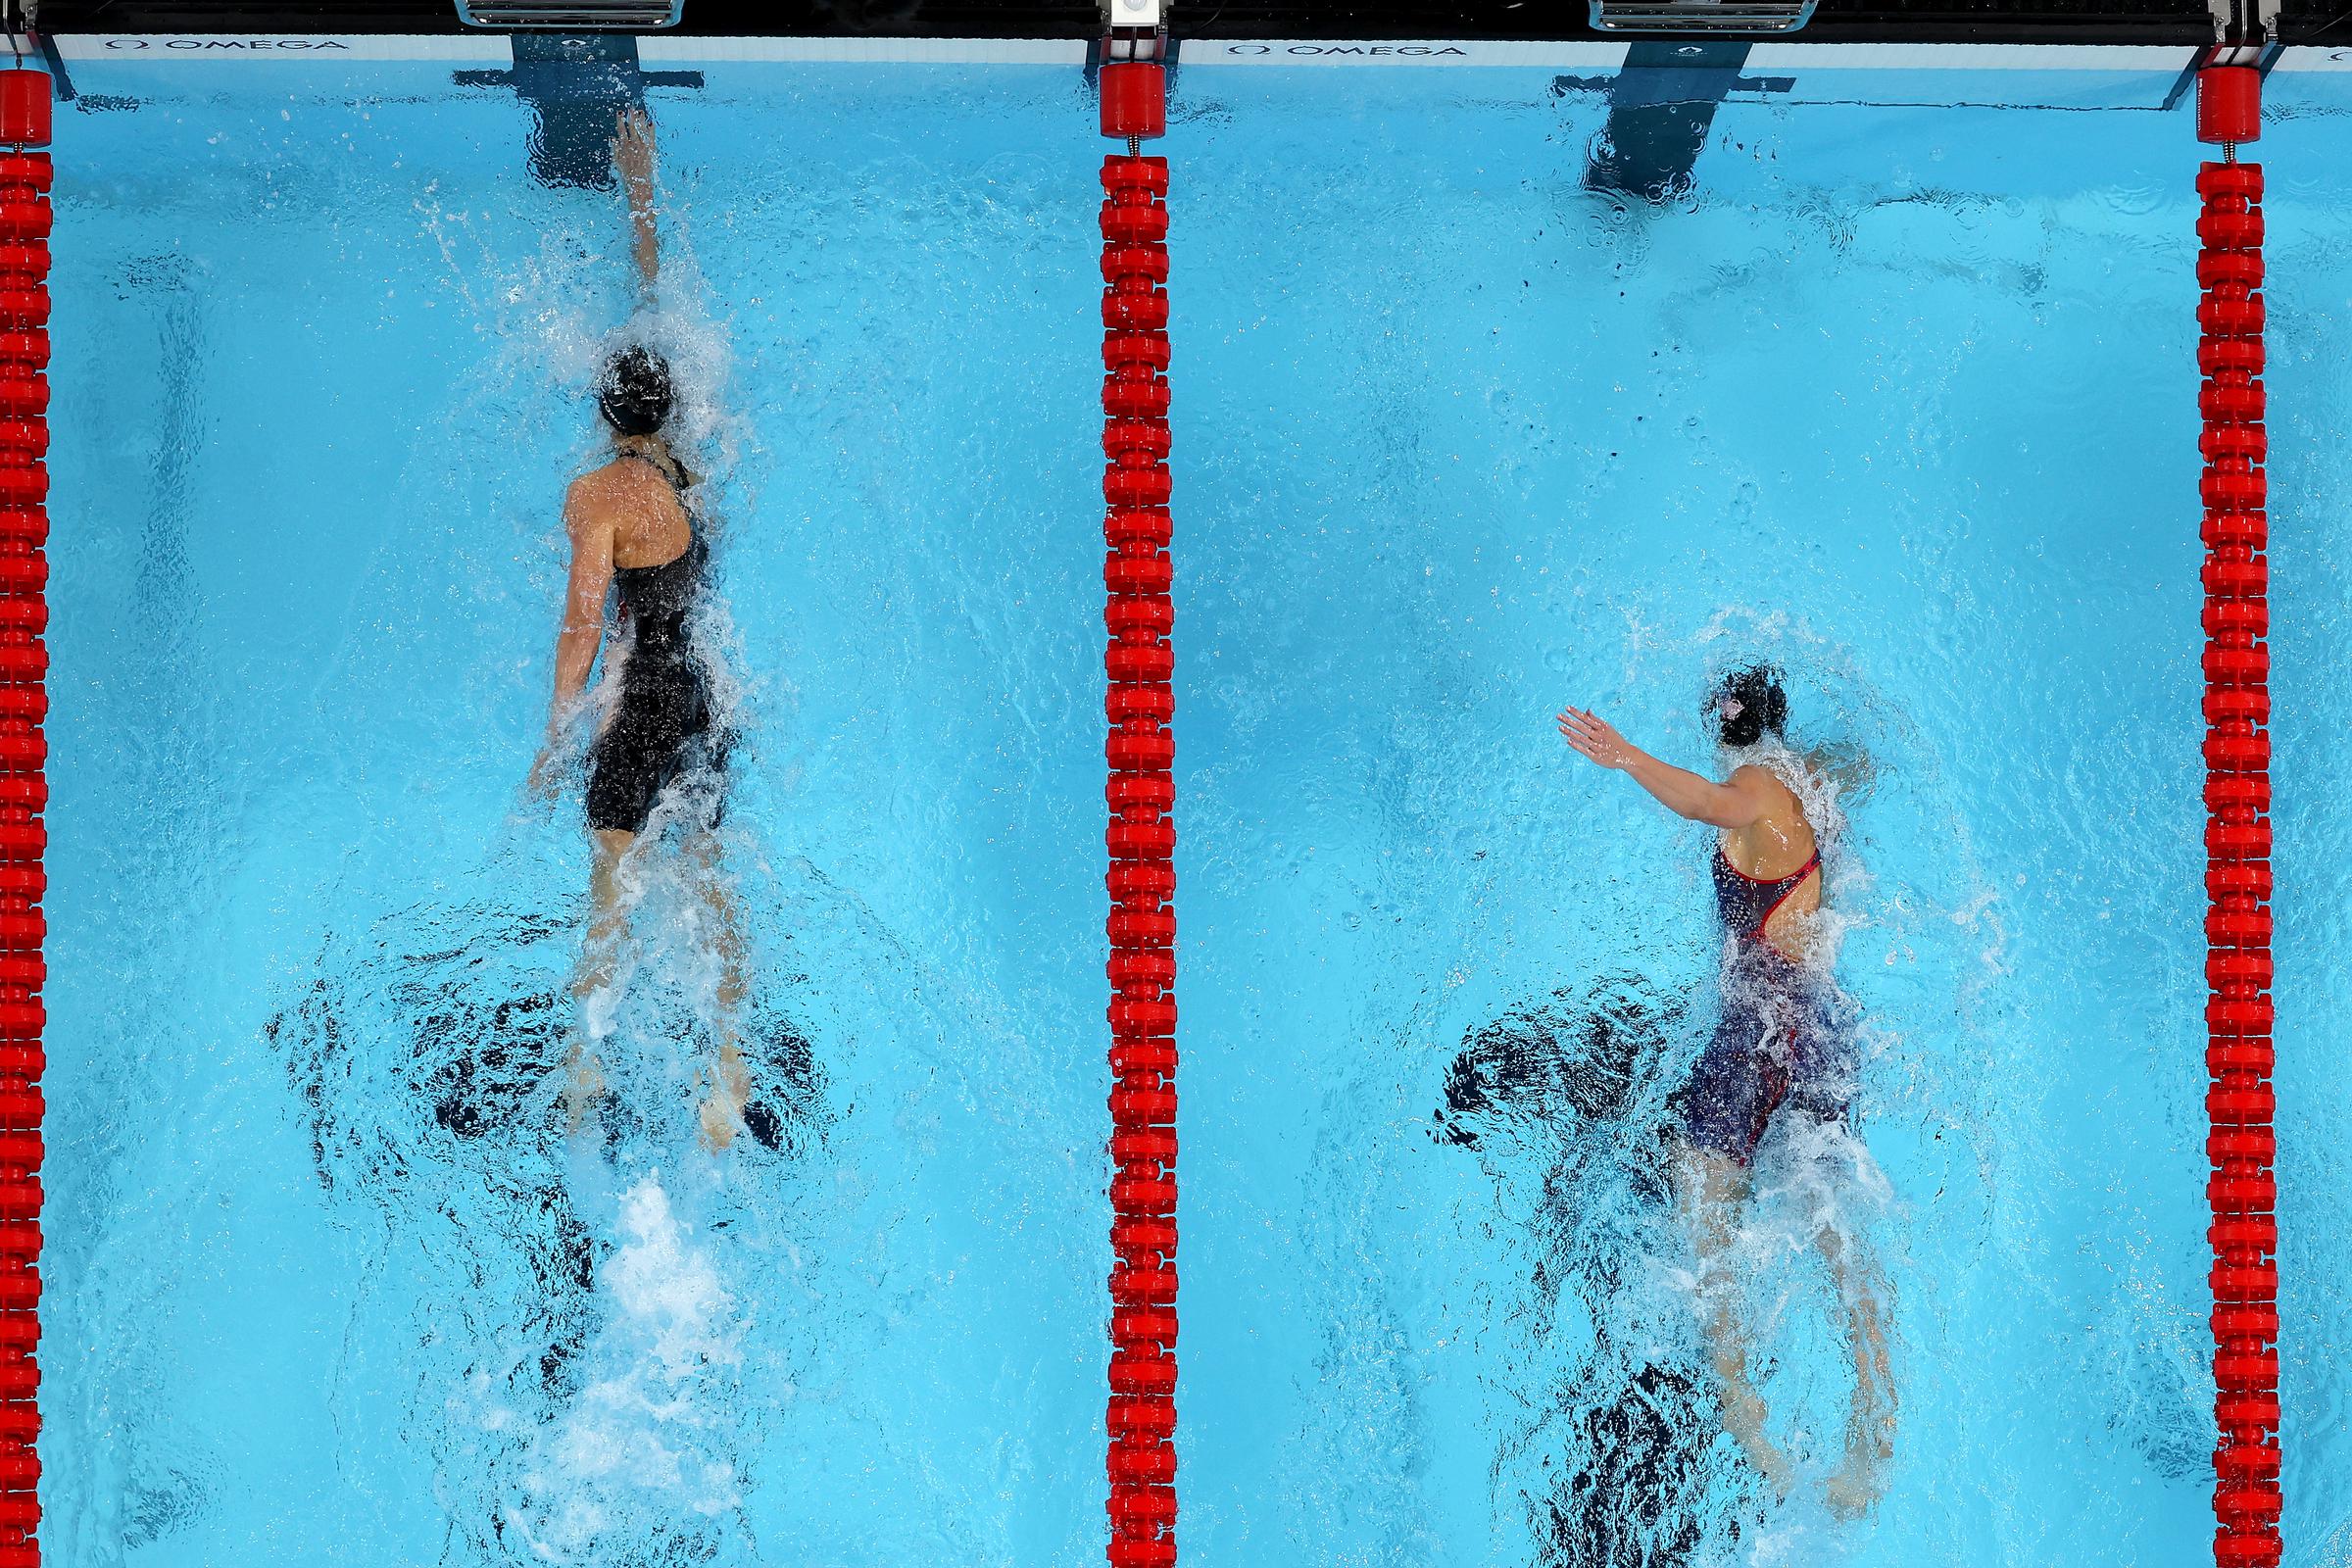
(1749, 705)
(634, 391)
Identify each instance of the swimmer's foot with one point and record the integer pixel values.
(583, 1087)
(1743, 1419)
(1773, 1465)
(1857, 1487)
(719, 1124)
(722, 1115)
(1854, 1490)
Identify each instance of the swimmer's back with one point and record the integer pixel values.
(636, 501)
(1775, 846)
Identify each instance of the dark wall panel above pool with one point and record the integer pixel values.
(2180, 22)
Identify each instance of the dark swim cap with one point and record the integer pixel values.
(634, 391)
(1749, 705)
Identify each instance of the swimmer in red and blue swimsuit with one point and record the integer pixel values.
(1784, 1043)
(1783, 1038)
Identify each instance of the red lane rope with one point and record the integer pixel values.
(1141, 791)
(2239, 1052)
(24, 788)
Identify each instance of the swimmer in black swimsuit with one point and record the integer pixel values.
(660, 731)
(632, 529)
(1783, 1048)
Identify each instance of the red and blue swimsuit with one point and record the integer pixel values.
(1784, 1035)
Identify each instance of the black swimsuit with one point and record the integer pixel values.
(660, 728)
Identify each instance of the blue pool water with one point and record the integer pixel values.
(1899, 395)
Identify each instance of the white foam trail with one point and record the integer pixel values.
(644, 1438)
(669, 1288)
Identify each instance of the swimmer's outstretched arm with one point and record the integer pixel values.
(1739, 803)
(583, 629)
(633, 157)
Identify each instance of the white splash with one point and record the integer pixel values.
(646, 1435)
(666, 1289)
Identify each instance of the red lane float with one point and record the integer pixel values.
(2241, 1192)
(24, 789)
(1138, 615)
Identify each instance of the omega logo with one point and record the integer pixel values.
(249, 45)
(1366, 51)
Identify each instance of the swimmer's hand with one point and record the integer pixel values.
(633, 155)
(1597, 738)
(547, 774)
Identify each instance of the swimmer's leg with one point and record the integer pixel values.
(1870, 1426)
(1710, 1187)
(729, 1077)
(607, 923)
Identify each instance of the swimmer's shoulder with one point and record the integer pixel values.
(588, 501)
(613, 476)
(608, 488)
(1755, 775)
(1785, 806)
